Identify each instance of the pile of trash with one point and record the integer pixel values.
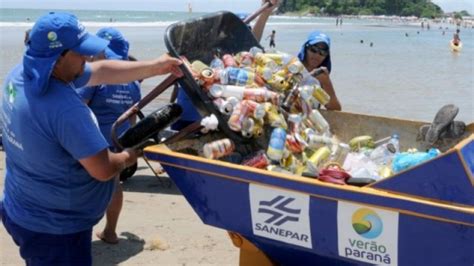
(259, 92)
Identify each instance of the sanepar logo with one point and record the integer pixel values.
(279, 210)
(280, 215)
(367, 223)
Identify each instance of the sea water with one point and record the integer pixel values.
(407, 72)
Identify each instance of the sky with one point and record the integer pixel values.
(182, 5)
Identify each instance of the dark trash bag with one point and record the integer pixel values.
(149, 126)
(199, 39)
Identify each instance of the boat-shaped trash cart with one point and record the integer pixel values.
(421, 216)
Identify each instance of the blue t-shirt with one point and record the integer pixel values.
(46, 189)
(108, 102)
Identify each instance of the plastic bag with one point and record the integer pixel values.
(406, 160)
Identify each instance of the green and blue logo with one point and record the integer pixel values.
(367, 223)
(52, 36)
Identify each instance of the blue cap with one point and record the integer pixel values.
(118, 45)
(314, 38)
(52, 34)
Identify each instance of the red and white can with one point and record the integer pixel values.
(229, 60)
(218, 148)
(260, 160)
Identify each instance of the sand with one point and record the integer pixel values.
(157, 227)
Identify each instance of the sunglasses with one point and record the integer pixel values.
(317, 50)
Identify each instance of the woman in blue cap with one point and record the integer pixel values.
(59, 176)
(316, 57)
(108, 102)
(314, 54)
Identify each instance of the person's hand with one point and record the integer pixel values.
(133, 154)
(274, 5)
(319, 71)
(166, 64)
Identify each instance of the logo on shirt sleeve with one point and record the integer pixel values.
(11, 92)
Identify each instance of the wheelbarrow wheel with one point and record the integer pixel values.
(128, 172)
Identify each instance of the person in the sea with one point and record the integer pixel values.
(316, 57)
(456, 39)
(59, 168)
(108, 103)
(190, 114)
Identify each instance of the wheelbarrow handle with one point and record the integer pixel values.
(160, 88)
(255, 14)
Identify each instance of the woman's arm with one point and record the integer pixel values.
(117, 72)
(105, 165)
(326, 83)
(262, 19)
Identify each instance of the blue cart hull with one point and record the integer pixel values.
(407, 219)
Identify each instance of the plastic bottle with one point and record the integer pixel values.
(236, 76)
(317, 141)
(217, 63)
(218, 90)
(276, 145)
(318, 122)
(384, 153)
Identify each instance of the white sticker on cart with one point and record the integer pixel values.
(367, 234)
(280, 215)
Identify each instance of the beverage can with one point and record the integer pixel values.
(224, 106)
(276, 145)
(245, 58)
(252, 108)
(258, 128)
(247, 127)
(236, 118)
(316, 141)
(295, 66)
(340, 152)
(264, 72)
(318, 158)
(259, 160)
(218, 148)
(291, 98)
(279, 83)
(262, 60)
(293, 144)
(321, 95)
(273, 117)
(217, 63)
(198, 66)
(231, 103)
(229, 60)
(252, 127)
(281, 59)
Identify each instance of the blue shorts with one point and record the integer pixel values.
(48, 249)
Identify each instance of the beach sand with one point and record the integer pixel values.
(157, 227)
